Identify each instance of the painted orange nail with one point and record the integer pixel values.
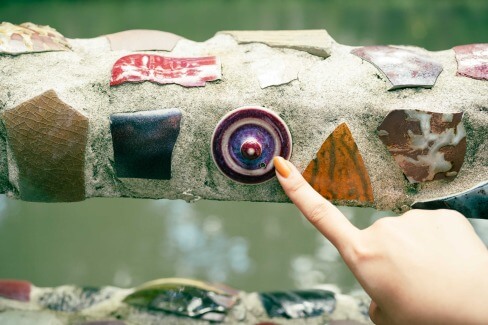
(281, 166)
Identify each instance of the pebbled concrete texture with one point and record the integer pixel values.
(326, 93)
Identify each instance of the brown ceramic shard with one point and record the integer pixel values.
(338, 172)
(314, 41)
(28, 37)
(48, 139)
(427, 146)
(472, 60)
(403, 68)
(143, 40)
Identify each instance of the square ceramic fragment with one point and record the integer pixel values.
(143, 142)
(143, 40)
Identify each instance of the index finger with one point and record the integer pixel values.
(319, 211)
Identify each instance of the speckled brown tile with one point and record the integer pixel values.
(15, 289)
(143, 40)
(143, 142)
(338, 172)
(28, 37)
(403, 68)
(472, 60)
(426, 145)
(48, 139)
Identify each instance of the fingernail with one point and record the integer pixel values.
(281, 166)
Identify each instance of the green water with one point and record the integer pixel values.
(251, 246)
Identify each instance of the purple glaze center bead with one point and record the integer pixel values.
(251, 149)
(246, 140)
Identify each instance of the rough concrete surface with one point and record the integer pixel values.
(326, 93)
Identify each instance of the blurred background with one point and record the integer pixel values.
(250, 246)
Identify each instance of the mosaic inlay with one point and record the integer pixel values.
(338, 172)
(15, 290)
(28, 37)
(143, 142)
(143, 40)
(246, 140)
(403, 68)
(472, 203)
(48, 139)
(427, 146)
(472, 60)
(184, 297)
(316, 42)
(188, 72)
(299, 303)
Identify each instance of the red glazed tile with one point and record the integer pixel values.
(15, 289)
(338, 172)
(404, 68)
(472, 60)
(143, 40)
(28, 37)
(427, 146)
(188, 72)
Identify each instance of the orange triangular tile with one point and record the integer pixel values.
(338, 172)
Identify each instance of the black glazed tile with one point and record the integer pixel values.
(143, 142)
(472, 203)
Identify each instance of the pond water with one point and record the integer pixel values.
(251, 246)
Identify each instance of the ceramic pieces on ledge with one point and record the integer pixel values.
(48, 140)
(472, 60)
(143, 40)
(316, 42)
(472, 203)
(298, 303)
(338, 172)
(403, 68)
(427, 146)
(143, 142)
(188, 72)
(184, 297)
(29, 38)
(245, 141)
(15, 290)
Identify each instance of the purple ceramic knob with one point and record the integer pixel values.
(245, 142)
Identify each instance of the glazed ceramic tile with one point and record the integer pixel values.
(48, 139)
(298, 303)
(143, 142)
(28, 37)
(246, 140)
(472, 203)
(316, 42)
(427, 146)
(143, 40)
(338, 172)
(472, 60)
(272, 68)
(15, 290)
(184, 297)
(403, 68)
(188, 72)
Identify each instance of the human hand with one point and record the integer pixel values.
(424, 267)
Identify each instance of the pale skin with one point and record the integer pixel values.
(423, 267)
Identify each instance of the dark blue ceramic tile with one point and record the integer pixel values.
(472, 204)
(143, 142)
(404, 68)
(299, 303)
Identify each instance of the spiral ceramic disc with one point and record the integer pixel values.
(245, 142)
